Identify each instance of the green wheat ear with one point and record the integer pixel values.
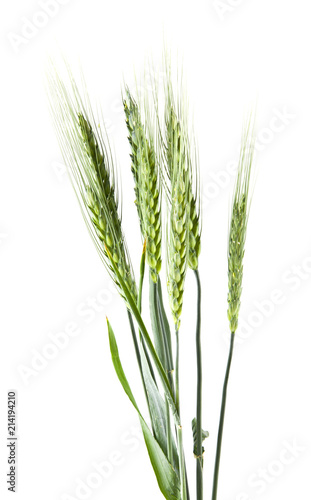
(194, 234)
(174, 145)
(147, 184)
(238, 226)
(179, 228)
(86, 152)
(185, 227)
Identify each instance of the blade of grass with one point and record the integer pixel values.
(167, 478)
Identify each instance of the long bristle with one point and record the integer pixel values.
(87, 155)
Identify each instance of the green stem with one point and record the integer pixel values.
(141, 277)
(182, 471)
(162, 337)
(221, 420)
(181, 455)
(158, 332)
(199, 450)
(177, 371)
(165, 328)
(182, 461)
(137, 350)
(139, 305)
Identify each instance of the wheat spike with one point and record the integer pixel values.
(87, 155)
(147, 185)
(178, 246)
(194, 234)
(238, 227)
(175, 128)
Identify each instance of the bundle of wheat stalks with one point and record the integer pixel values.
(163, 161)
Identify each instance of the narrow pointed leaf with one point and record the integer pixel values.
(158, 413)
(167, 478)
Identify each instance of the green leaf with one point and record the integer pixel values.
(205, 435)
(157, 411)
(167, 478)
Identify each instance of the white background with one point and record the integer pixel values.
(72, 413)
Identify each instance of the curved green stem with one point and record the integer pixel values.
(221, 420)
(199, 450)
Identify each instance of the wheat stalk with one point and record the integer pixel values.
(236, 250)
(177, 150)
